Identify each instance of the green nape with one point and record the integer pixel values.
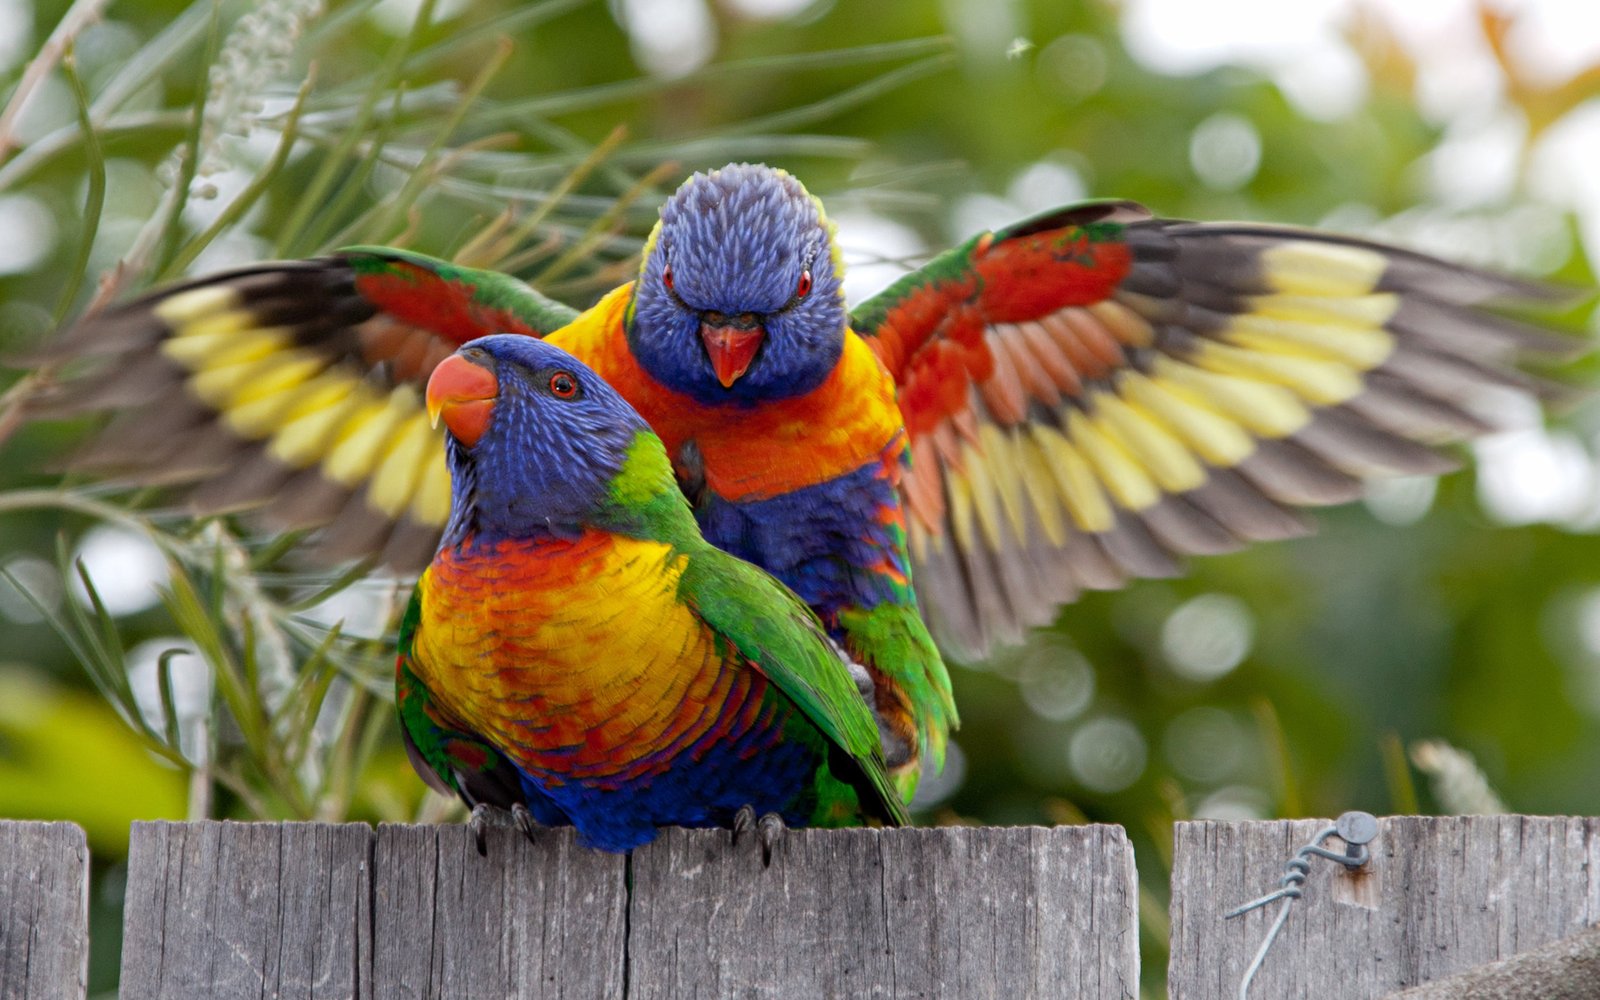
(645, 501)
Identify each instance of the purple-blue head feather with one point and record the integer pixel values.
(737, 241)
(544, 464)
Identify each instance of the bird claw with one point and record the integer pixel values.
(478, 823)
(770, 830)
(744, 821)
(525, 820)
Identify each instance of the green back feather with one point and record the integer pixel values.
(774, 630)
(763, 620)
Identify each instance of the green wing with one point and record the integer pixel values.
(777, 633)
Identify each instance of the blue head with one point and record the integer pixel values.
(740, 296)
(536, 440)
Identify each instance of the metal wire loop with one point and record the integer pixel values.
(1356, 829)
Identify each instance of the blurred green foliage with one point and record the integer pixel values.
(1282, 681)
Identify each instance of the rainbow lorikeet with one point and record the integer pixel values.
(1064, 404)
(576, 648)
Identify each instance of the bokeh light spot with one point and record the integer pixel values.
(670, 38)
(191, 690)
(397, 16)
(1225, 151)
(362, 609)
(876, 251)
(769, 10)
(1045, 185)
(1234, 804)
(33, 577)
(30, 233)
(1073, 66)
(1531, 475)
(1107, 754)
(16, 32)
(1207, 637)
(1401, 500)
(124, 566)
(977, 213)
(1056, 681)
(1205, 744)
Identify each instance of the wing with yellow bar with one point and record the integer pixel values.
(1096, 393)
(293, 389)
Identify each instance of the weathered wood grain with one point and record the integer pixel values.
(246, 910)
(1566, 970)
(949, 912)
(44, 911)
(540, 920)
(1442, 894)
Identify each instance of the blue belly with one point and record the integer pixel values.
(822, 541)
(704, 784)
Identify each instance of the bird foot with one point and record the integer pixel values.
(478, 823)
(744, 821)
(769, 830)
(525, 820)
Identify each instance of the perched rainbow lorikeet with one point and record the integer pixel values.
(1064, 404)
(578, 649)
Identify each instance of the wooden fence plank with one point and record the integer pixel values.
(306, 910)
(1441, 895)
(1569, 969)
(947, 912)
(44, 911)
(246, 910)
(540, 920)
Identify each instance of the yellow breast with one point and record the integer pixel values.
(576, 658)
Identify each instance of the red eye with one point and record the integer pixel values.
(666, 277)
(804, 287)
(563, 385)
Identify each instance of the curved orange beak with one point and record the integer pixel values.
(731, 349)
(463, 395)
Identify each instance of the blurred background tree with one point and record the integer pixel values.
(157, 668)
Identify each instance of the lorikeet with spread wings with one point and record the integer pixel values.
(576, 646)
(1063, 404)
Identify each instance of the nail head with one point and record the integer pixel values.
(1357, 828)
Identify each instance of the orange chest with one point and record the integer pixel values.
(752, 452)
(564, 647)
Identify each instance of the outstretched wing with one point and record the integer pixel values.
(295, 388)
(1095, 393)
(776, 633)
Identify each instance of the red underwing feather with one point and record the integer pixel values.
(422, 298)
(1036, 275)
(1157, 389)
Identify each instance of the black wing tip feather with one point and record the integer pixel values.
(133, 324)
(1084, 213)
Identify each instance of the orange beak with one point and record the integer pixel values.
(731, 349)
(463, 394)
